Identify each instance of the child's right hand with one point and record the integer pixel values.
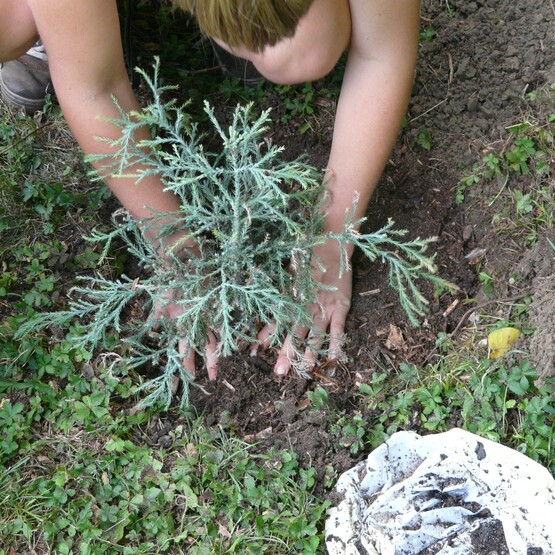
(170, 309)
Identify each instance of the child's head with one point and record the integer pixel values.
(252, 24)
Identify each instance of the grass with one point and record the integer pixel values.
(88, 480)
(78, 472)
(81, 472)
(501, 400)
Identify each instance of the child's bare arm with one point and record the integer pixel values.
(86, 61)
(87, 67)
(372, 103)
(374, 97)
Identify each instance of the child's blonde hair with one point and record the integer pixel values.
(252, 24)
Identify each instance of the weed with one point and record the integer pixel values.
(467, 182)
(211, 496)
(498, 401)
(376, 385)
(19, 157)
(45, 198)
(434, 412)
(444, 342)
(424, 139)
(232, 89)
(319, 398)
(428, 35)
(351, 433)
(524, 170)
(533, 211)
(298, 103)
(488, 284)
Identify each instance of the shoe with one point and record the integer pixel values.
(236, 67)
(25, 82)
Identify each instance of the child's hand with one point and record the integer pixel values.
(167, 309)
(329, 315)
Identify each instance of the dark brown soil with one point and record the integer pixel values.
(469, 87)
(470, 83)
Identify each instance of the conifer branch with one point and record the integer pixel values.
(251, 216)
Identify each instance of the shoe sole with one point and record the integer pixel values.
(18, 101)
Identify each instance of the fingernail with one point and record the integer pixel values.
(281, 371)
(254, 351)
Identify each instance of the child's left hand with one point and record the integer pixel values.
(328, 316)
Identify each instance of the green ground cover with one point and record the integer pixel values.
(79, 469)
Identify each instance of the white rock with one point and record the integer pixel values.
(442, 492)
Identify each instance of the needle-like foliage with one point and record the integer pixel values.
(253, 218)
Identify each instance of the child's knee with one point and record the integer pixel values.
(17, 29)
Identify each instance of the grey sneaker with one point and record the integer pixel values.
(25, 82)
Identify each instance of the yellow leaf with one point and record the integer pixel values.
(501, 340)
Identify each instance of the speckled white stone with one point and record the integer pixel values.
(415, 492)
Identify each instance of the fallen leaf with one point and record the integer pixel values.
(451, 307)
(223, 531)
(395, 340)
(501, 340)
(263, 434)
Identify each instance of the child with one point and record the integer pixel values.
(288, 41)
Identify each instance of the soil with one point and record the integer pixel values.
(537, 267)
(470, 84)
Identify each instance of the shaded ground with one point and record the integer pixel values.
(537, 267)
(469, 87)
(470, 82)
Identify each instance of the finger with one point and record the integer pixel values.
(161, 305)
(211, 357)
(337, 332)
(286, 356)
(188, 360)
(265, 336)
(159, 312)
(316, 336)
(289, 351)
(315, 342)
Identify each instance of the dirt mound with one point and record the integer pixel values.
(537, 267)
